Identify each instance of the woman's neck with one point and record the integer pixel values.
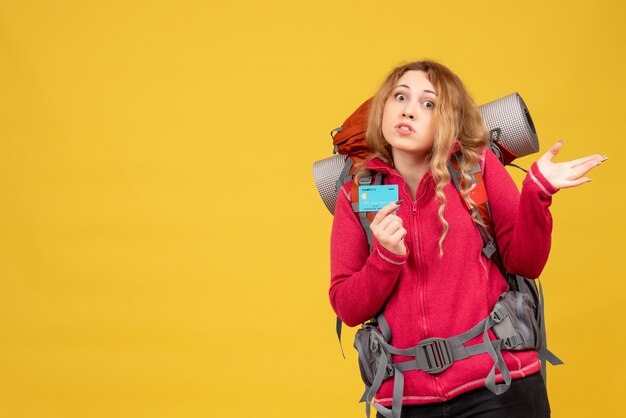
(412, 168)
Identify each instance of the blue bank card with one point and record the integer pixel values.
(374, 198)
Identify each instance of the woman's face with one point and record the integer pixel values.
(409, 122)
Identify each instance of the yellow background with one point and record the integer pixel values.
(163, 249)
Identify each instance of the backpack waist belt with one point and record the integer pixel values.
(434, 355)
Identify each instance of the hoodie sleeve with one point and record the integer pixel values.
(360, 282)
(522, 221)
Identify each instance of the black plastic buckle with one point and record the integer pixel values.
(498, 314)
(511, 342)
(435, 354)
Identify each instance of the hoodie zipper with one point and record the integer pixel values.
(418, 263)
(421, 285)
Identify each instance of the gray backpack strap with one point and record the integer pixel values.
(371, 390)
(366, 179)
(338, 327)
(384, 326)
(381, 374)
(434, 355)
(366, 227)
(396, 403)
(545, 355)
(489, 242)
(496, 356)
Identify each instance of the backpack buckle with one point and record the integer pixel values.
(366, 180)
(498, 314)
(489, 249)
(434, 355)
(511, 342)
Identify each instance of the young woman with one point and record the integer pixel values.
(426, 269)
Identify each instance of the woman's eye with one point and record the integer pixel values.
(400, 97)
(429, 105)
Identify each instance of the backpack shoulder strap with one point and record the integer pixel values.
(481, 213)
(365, 218)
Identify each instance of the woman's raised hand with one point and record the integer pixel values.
(388, 230)
(569, 173)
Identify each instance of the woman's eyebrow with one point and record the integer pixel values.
(425, 91)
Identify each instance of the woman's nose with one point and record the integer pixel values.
(408, 111)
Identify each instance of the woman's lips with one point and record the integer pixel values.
(404, 129)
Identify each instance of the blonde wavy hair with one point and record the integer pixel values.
(457, 118)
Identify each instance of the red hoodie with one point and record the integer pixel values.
(425, 295)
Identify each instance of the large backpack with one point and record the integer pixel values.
(517, 319)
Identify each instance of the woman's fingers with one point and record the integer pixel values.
(552, 152)
(581, 169)
(387, 227)
(388, 230)
(579, 181)
(382, 214)
(393, 226)
(584, 160)
(399, 234)
(573, 183)
(388, 220)
(569, 173)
